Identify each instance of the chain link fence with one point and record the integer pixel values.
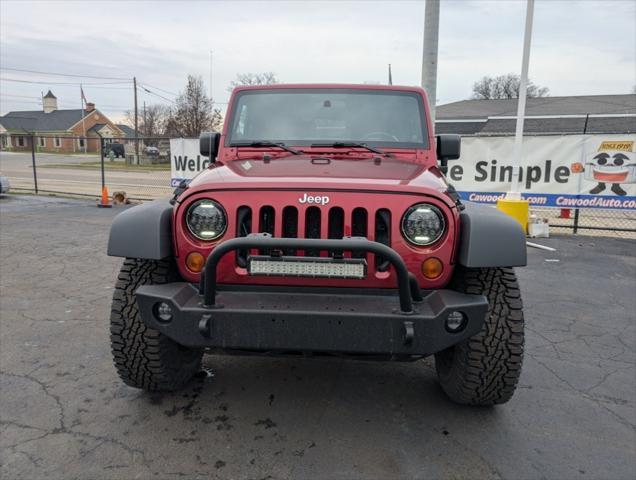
(139, 169)
(589, 221)
(81, 166)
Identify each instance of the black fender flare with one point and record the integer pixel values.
(490, 238)
(143, 231)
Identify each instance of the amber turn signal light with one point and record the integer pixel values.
(195, 262)
(432, 268)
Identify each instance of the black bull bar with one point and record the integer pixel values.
(249, 317)
(408, 289)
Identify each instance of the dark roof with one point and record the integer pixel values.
(460, 128)
(129, 132)
(96, 127)
(611, 125)
(38, 121)
(559, 115)
(49, 94)
(592, 104)
(18, 123)
(534, 125)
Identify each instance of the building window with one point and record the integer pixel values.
(80, 142)
(5, 143)
(42, 141)
(20, 141)
(57, 142)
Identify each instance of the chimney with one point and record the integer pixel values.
(49, 102)
(90, 107)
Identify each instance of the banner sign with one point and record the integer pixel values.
(185, 160)
(570, 171)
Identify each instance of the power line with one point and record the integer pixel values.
(162, 90)
(69, 106)
(143, 87)
(19, 96)
(59, 83)
(98, 106)
(75, 85)
(107, 88)
(63, 74)
(23, 101)
(156, 94)
(63, 104)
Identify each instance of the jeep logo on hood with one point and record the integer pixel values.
(319, 200)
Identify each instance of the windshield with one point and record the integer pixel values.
(326, 116)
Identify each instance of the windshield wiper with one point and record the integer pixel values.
(265, 143)
(351, 145)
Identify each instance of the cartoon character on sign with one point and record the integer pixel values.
(610, 164)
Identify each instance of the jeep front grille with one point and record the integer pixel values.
(314, 222)
(382, 235)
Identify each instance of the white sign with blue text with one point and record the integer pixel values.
(185, 160)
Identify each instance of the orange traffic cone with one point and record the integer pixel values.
(104, 203)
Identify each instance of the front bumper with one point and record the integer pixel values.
(284, 319)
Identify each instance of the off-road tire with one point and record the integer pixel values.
(485, 369)
(145, 358)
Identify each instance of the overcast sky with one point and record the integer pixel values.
(579, 47)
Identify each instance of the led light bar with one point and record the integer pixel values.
(319, 267)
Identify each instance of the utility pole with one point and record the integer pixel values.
(136, 122)
(145, 124)
(429, 53)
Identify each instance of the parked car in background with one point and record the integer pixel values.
(4, 185)
(151, 151)
(116, 148)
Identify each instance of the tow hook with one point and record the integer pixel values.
(205, 324)
(408, 332)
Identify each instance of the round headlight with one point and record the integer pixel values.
(206, 220)
(423, 224)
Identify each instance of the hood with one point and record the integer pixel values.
(304, 171)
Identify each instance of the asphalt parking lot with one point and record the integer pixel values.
(65, 414)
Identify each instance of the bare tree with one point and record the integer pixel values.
(152, 123)
(505, 86)
(264, 78)
(193, 112)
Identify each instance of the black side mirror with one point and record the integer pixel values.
(448, 148)
(209, 145)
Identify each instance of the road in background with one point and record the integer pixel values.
(65, 414)
(138, 183)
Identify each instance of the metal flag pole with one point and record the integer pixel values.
(513, 204)
(82, 103)
(514, 192)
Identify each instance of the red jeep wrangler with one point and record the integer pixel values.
(323, 226)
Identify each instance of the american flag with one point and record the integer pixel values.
(83, 96)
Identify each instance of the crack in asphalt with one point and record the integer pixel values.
(317, 418)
